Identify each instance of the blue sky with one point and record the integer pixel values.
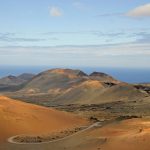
(103, 33)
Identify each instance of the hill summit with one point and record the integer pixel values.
(68, 86)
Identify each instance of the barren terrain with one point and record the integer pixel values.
(70, 110)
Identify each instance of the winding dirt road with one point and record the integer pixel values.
(97, 124)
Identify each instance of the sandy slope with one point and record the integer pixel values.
(22, 118)
(131, 134)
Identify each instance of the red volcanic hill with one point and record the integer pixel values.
(67, 86)
(22, 118)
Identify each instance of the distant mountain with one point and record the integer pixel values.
(12, 83)
(11, 80)
(63, 80)
(67, 86)
(99, 94)
(54, 81)
(103, 77)
(26, 76)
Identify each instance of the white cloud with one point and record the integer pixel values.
(55, 12)
(119, 55)
(127, 49)
(141, 11)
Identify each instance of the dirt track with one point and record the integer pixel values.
(131, 134)
(97, 124)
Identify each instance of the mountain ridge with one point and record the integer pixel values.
(68, 86)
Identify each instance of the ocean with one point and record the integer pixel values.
(129, 75)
